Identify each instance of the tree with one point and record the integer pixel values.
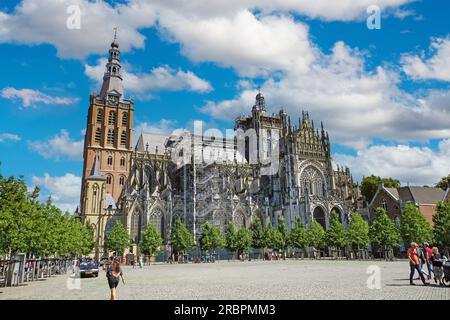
(181, 238)
(335, 236)
(151, 241)
(117, 239)
(443, 183)
(316, 235)
(258, 234)
(383, 232)
(414, 227)
(283, 230)
(243, 240)
(299, 235)
(274, 238)
(441, 220)
(358, 232)
(231, 237)
(211, 237)
(369, 185)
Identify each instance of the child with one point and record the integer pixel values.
(437, 261)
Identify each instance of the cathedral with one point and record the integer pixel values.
(267, 167)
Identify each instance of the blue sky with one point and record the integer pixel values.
(383, 94)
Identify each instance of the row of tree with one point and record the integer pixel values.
(39, 229)
(382, 233)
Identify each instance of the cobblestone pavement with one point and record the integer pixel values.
(294, 279)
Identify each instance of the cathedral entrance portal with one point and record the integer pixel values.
(319, 216)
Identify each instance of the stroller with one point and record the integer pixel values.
(446, 271)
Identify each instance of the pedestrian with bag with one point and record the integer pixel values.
(114, 274)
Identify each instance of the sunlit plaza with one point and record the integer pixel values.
(290, 279)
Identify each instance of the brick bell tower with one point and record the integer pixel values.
(109, 131)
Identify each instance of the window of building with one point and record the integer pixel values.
(125, 119)
(112, 117)
(108, 180)
(122, 162)
(384, 204)
(122, 180)
(98, 135)
(123, 138)
(110, 161)
(111, 136)
(100, 116)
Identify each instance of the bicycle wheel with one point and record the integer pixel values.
(446, 281)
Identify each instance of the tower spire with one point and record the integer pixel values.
(112, 87)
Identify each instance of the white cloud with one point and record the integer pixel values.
(29, 22)
(59, 146)
(355, 104)
(435, 66)
(409, 164)
(163, 126)
(9, 136)
(32, 97)
(251, 45)
(64, 190)
(162, 78)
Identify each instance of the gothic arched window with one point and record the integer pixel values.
(112, 117)
(111, 136)
(122, 180)
(125, 119)
(312, 180)
(98, 135)
(122, 162)
(110, 161)
(239, 220)
(123, 138)
(156, 218)
(109, 180)
(100, 116)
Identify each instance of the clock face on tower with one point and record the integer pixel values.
(113, 100)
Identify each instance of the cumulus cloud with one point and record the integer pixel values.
(356, 105)
(162, 78)
(409, 164)
(30, 97)
(28, 23)
(9, 137)
(163, 126)
(251, 45)
(64, 190)
(434, 65)
(59, 146)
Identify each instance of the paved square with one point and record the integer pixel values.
(293, 279)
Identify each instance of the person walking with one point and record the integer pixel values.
(437, 260)
(414, 264)
(427, 255)
(113, 275)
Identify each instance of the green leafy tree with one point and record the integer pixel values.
(298, 237)
(231, 241)
(181, 238)
(441, 220)
(335, 236)
(258, 234)
(283, 230)
(358, 232)
(118, 238)
(414, 227)
(211, 238)
(316, 235)
(443, 183)
(383, 232)
(369, 185)
(151, 241)
(243, 240)
(274, 238)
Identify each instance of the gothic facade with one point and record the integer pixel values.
(268, 168)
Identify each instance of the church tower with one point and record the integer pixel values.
(109, 130)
